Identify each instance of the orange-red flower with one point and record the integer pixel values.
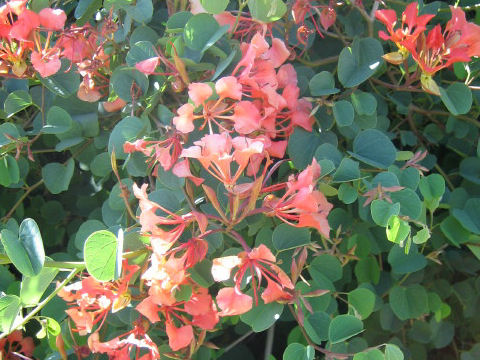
(15, 346)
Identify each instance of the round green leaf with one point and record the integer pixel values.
(267, 10)
(10, 129)
(343, 327)
(470, 169)
(58, 121)
(140, 51)
(409, 302)
(367, 270)
(302, 146)
(262, 316)
(101, 165)
(128, 129)
(410, 204)
(100, 253)
(17, 101)
(296, 351)
(198, 31)
(9, 309)
(322, 84)
(374, 148)
(382, 211)
(316, 325)
(288, 237)
(347, 193)
(457, 98)
(397, 229)
(393, 352)
(128, 80)
(469, 216)
(85, 230)
(9, 171)
(57, 176)
(432, 188)
(25, 250)
(348, 170)
(360, 61)
(363, 301)
(373, 354)
(405, 263)
(343, 113)
(364, 103)
(33, 287)
(65, 82)
(454, 231)
(214, 6)
(326, 265)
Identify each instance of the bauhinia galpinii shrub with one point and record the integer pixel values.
(258, 179)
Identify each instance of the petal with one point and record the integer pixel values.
(233, 302)
(147, 66)
(228, 86)
(247, 117)
(262, 253)
(178, 338)
(52, 19)
(199, 92)
(222, 267)
(184, 122)
(278, 53)
(149, 309)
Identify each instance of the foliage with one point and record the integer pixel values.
(176, 176)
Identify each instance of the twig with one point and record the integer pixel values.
(269, 342)
(238, 341)
(19, 201)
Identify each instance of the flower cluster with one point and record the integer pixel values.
(433, 50)
(15, 346)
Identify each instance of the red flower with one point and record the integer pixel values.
(15, 346)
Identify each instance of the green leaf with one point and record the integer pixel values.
(382, 211)
(373, 354)
(198, 31)
(141, 50)
(367, 270)
(364, 103)
(454, 231)
(262, 316)
(100, 253)
(296, 351)
(17, 101)
(343, 112)
(348, 170)
(360, 61)
(288, 237)
(363, 301)
(347, 193)
(10, 129)
(343, 327)
(374, 148)
(142, 11)
(58, 121)
(397, 229)
(85, 10)
(410, 204)
(432, 188)
(101, 165)
(322, 84)
(124, 79)
(393, 352)
(469, 216)
(9, 171)
(178, 20)
(421, 236)
(57, 176)
(326, 265)
(128, 129)
(405, 263)
(316, 325)
(9, 309)
(33, 287)
(214, 6)
(25, 250)
(201, 273)
(302, 146)
(85, 230)
(470, 169)
(457, 98)
(409, 302)
(267, 10)
(65, 82)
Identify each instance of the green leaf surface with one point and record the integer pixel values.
(343, 112)
(267, 10)
(128, 129)
(364, 103)
(405, 263)
(33, 287)
(9, 309)
(316, 325)
(322, 84)
(296, 351)
(100, 253)
(360, 61)
(367, 270)
(25, 250)
(343, 327)
(326, 265)
(198, 31)
(432, 188)
(363, 301)
(9, 171)
(393, 352)
(409, 302)
(126, 81)
(397, 229)
(58, 121)
(374, 148)
(382, 210)
(469, 216)
(17, 101)
(262, 316)
(57, 176)
(302, 146)
(288, 237)
(214, 6)
(65, 82)
(470, 169)
(457, 98)
(373, 354)
(348, 170)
